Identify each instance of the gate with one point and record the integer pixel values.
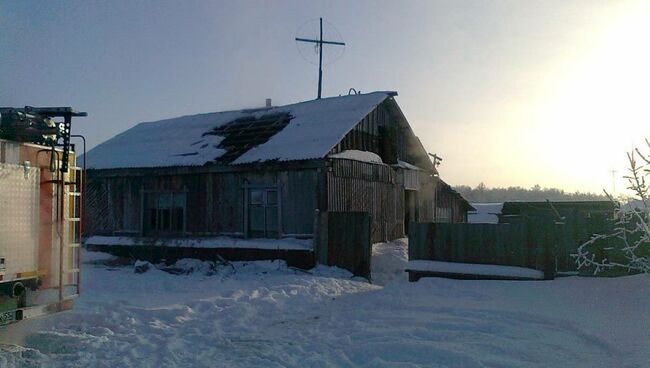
(343, 240)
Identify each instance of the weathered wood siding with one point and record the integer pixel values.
(214, 200)
(450, 207)
(386, 132)
(367, 134)
(531, 244)
(354, 186)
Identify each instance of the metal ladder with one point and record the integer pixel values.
(73, 216)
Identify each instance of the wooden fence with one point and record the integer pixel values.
(343, 240)
(527, 244)
(581, 221)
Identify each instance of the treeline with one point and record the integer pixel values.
(481, 193)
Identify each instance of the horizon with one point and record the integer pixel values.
(501, 109)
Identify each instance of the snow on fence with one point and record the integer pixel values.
(476, 271)
(529, 244)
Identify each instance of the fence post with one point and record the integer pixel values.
(320, 242)
(549, 253)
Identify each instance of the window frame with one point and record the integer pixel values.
(150, 225)
(265, 205)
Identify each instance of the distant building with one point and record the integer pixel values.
(263, 173)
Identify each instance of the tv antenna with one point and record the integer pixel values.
(437, 160)
(318, 48)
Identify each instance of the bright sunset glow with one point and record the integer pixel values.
(595, 109)
(601, 110)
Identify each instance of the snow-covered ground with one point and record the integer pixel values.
(264, 314)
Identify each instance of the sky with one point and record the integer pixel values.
(506, 92)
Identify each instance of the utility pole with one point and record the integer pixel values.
(320, 43)
(613, 181)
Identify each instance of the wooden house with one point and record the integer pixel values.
(256, 174)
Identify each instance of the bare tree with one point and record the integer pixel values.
(629, 245)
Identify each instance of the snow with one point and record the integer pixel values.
(90, 256)
(474, 269)
(189, 265)
(486, 213)
(407, 166)
(363, 156)
(316, 127)
(207, 242)
(169, 142)
(389, 262)
(265, 314)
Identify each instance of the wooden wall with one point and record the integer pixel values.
(215, 200)
(354, 186)
(386, 132)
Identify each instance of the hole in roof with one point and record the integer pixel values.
(242, 134)
(187, 154)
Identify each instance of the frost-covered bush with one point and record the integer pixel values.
(628, 245)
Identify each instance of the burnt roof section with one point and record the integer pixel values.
(244, 133)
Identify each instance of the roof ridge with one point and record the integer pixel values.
(252, 110)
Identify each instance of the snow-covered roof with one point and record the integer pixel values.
(485, 213)
(405, 165)
(314, 128)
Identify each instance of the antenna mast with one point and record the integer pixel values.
(320, 43)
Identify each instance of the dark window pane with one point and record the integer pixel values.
(153, 214)
(164, 200)
(165, 223)
(179, 200)
(150, 200)
(178, 218)
(256, 197)
(272, 197)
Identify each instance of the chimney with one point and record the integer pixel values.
(268, 102)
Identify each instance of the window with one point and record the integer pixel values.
(257, 197)
(164, 213)
(263, 213)
(272, 197)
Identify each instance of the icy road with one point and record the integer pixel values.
(262, 314)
